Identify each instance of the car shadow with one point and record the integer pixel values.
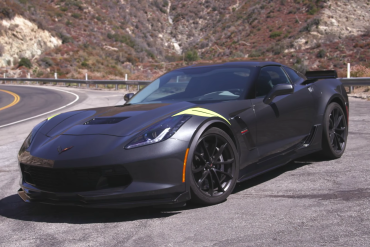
(13, 206)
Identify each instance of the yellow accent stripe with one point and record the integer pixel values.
(201, 112)
(184, 168)
(17, 98)
(52, 117)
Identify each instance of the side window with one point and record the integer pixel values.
(293, 75)
(268, 78)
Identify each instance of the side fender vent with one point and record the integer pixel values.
(311, 136)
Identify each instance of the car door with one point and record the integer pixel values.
(284, 123)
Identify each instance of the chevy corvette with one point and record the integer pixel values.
(190, 135)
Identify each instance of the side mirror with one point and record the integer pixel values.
(277, 90)
(128, 96)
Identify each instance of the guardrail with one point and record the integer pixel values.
(79, 82)
(356, 81)
(348, 82)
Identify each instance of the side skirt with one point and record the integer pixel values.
(257, 173)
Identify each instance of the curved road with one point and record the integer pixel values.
(305, 203)
(8, 99)
(33, 102)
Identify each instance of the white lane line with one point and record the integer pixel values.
(77, 98)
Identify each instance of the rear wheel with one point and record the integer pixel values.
(214, 169)
(335, 131)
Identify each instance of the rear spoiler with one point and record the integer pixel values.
(323, 74)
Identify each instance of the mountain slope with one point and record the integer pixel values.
(106, 37)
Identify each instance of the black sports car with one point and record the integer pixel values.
(191, 134)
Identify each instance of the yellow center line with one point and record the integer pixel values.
(17, 98)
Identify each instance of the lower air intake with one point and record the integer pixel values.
(75, 180)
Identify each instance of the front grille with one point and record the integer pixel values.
(75, 180)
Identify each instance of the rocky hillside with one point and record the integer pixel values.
(22, 38)
(143, 38)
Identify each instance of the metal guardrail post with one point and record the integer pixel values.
(116, 87)
(138, 87)
(87, 84)
(350, 88)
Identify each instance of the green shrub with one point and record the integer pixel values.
(65, 38)
(312, 9)
(46, 62)
(25, 62)
(191, 56)
(126, 39)
(2, 50)
(275, 34)
(310, 25)
(256, 53)
(278, 48)
(321, 53)
(76, 15)
(78, 4)
(6, 12)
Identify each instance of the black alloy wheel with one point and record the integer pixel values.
(214, 171)
(335, 131)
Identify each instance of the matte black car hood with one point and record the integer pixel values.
(133, 118)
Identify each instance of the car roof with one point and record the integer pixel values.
(230, 64)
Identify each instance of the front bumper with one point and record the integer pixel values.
(155, 175)
(59, 199)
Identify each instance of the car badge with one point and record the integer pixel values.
(60, 150)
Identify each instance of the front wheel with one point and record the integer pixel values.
(214, 169)
(335, 131)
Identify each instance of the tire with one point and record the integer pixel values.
(335, 132)
(214, 168)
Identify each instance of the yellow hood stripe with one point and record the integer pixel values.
(201, 112)
(52, 116)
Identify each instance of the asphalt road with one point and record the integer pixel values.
(33, 101)
(306, 203)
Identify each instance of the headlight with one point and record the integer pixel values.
(159, 132)
(32, 135)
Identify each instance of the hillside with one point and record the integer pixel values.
(144, 38)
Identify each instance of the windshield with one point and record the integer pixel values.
(197, 84)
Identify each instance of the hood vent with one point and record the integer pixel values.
(111, 120)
